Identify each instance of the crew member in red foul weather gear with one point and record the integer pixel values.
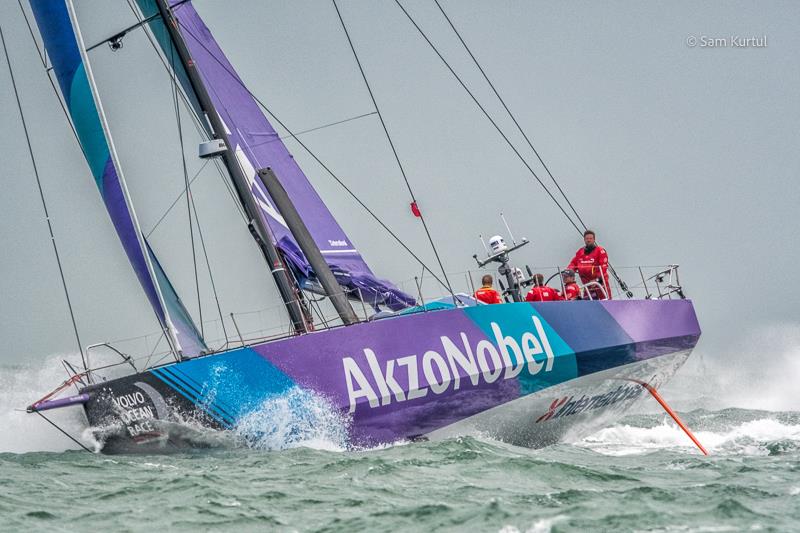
(541, 292)
(487, 294)
(591, 263)
(571, 289)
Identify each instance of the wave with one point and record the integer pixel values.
(758, 435)
(294, 419)
(758, 369)
(542, 525)
(24, 432)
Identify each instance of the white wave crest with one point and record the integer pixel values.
(757, 368)
(747, 438)
(296, 418)
(543, 525)
(293, 419)
(23, 432)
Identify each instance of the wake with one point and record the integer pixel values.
(760, 435)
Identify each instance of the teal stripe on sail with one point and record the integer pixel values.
(189, 338)
(62, 45)
(87, 123)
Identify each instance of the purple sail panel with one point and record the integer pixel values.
(256, 145)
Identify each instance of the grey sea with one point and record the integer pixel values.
(642, 474)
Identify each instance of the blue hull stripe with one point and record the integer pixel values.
(200, 397)
(197, 387)
(191, 397)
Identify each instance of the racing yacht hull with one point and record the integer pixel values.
(530, 374)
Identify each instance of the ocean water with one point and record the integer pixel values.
(643, 474)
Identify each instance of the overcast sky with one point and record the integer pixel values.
(673, 153)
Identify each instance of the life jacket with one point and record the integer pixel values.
(542, 294)
(571, 291)
(592, 266)
(488, 295)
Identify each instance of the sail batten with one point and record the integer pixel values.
(256, 145)
(64, 44)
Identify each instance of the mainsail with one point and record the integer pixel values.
(257, 145)
(62, 45)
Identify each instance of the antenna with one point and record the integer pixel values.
(509, 229)
(484, 244)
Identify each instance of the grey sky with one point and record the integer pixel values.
(672, 153)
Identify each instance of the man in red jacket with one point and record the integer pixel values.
(541, 292)
(487, 294)
(591, 263)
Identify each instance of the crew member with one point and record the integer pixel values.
(591, 263)
(541, 292)
(571, 289)
(487, 294)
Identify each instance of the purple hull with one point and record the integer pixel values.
(420, 374)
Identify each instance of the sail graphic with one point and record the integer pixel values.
(256, 145)
(62, 45)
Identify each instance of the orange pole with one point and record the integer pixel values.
(671, 413)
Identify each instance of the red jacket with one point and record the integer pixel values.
(488, 295)
(592, 266)
(542, 294)
(571, 291)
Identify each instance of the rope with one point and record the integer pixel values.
(322, 127)
(44, 202)
(176, 200)
(70, 437)
(49, 77)
(491, 120)
(391, 144)
(174, 79)
(510, 114)
(208, 266)
(622, 284)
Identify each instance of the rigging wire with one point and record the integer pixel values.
(176, 200)
(616, 276)
(313, 155)
(488, 116)
(49, 76)
(190, 198)
(510, 114)
(188, 187)
(231, 192)
(195, 118)
(203, 134)
(210, 274)
(70, 437)
(44, 203)
(391, 144)
(317, 128)
(197, 121)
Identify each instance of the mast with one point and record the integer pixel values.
(298, 313)
(306, 242)
(166, 322)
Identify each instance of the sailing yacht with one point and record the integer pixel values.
(530, 374)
